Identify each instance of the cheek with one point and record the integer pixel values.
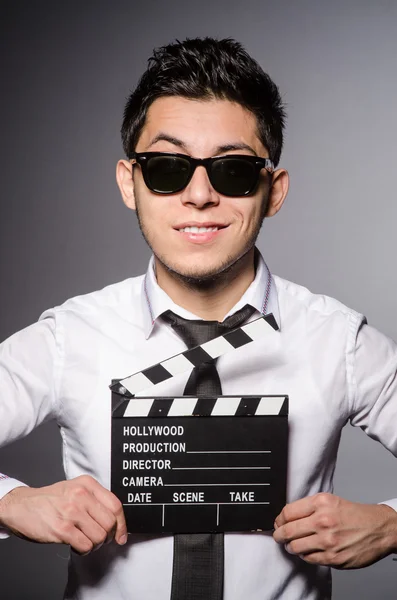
(247, 214)
(153, 210)
(258, 208)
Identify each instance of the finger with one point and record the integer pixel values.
(295, 530)
(296, 510)
(103, 516)
(68, 533)
(113, 504)
(316, 558)
(90, 528)
(324, 558)
(121, 526)
(304, 546)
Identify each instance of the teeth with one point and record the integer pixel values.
(194, 229)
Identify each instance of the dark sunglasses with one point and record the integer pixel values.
(231, 175)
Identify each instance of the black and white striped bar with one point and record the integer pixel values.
(257, 329)
(186, 406)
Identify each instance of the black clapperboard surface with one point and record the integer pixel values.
(191, 465)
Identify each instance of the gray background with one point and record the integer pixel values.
(66, 70)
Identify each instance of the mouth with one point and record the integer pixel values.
(196, 228)
(200, 233)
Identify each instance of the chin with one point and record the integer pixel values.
(195, 275)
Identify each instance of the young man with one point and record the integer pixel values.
(201, 99)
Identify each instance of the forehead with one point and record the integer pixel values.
(202, 125)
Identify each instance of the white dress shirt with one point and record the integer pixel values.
(333, 366)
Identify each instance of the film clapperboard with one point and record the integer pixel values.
(191, 465)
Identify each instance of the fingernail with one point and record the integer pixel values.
(123, 539)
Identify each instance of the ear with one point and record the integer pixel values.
(278, 191)
(125, 181)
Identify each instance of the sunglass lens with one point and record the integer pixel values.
(233, 176)
(167, 174)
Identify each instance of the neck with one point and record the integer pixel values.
(210, 302)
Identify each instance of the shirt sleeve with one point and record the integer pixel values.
(374, 389)
(28, 365)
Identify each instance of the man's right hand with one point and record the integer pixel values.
(78, 512)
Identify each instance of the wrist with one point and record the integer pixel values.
(390, 527)
(7, 500)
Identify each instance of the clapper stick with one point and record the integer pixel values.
(185, 361)
(223, 471)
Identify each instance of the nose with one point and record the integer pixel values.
(199, 192)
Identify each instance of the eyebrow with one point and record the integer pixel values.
(219, 150)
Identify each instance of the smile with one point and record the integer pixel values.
(200, 233)
(194, 229)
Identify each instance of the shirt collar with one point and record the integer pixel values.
(261, 294)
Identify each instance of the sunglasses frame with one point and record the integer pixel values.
(259, 163)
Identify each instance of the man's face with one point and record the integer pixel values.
(200, 129)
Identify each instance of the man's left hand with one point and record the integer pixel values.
(327, 530)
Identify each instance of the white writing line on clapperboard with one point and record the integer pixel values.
(191, 503)
(210, 484)
(215, 468)
(229, 452)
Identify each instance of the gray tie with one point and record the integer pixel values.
(199, 557)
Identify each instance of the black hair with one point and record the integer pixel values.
(203, 69)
